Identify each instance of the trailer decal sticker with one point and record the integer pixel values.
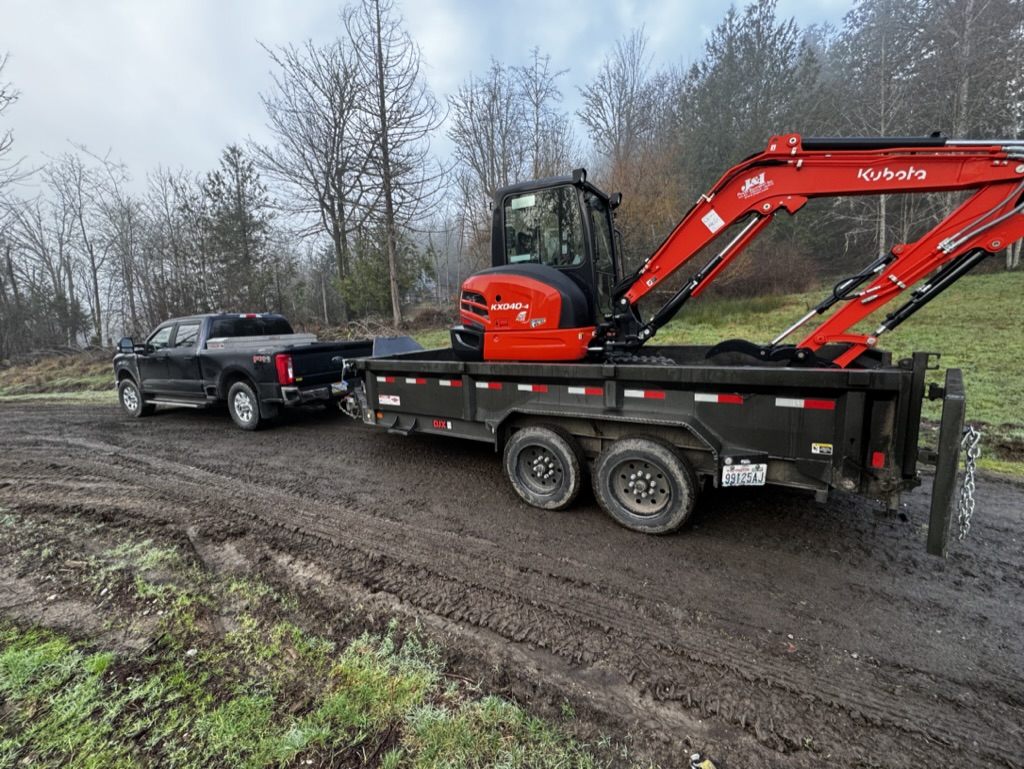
(389, 400)
(718, 398)
(824, 449)
(414, 380)
(533, 388)
(585, 391)
(805, 403)
(488, 385)
(650, 394)
(451, 383)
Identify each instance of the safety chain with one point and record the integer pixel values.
(971, 444)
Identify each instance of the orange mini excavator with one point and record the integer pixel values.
(557, 292)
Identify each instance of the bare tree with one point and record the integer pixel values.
(489, 130)
(321, 158)
(401, 116)
(619, 106)
(971, 47)
(9, 170)
(553, 147)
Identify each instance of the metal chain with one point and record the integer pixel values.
(971, 445)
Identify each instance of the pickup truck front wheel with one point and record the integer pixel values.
(244, 406)
(130, 396)
(545, 467)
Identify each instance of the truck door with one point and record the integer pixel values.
(152, 361)
(183, 377)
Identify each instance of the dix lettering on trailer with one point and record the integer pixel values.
(442, 424)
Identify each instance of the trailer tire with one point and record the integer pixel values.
(243, 405)
(645, 485)
(130, 397)
(545, 467)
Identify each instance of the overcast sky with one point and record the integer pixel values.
(172, 82)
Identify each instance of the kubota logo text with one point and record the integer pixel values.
(889, 175)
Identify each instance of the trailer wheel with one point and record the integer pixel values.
(645, 485)
(545, 467)
(131, 399)
(244, 405)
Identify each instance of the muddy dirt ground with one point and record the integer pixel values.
(773, 631)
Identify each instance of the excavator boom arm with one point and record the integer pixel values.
(792, 170)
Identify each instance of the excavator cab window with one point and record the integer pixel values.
(605, 272)
(544, 227)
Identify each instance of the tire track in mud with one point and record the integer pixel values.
(671, 663)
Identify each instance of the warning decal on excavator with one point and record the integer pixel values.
(713, 221)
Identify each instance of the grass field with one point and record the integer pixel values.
(217, 671)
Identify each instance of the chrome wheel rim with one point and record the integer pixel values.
(243, 406)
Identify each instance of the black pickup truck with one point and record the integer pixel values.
(253, 362)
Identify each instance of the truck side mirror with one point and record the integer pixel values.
(126, 345)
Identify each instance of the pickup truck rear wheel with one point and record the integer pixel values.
(130, 396)
(545, 467)
(244, 405)
(645, 485)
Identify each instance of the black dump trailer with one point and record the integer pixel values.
(653, 431)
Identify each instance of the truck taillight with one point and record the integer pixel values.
(285, 372)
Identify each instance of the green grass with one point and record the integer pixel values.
(263, 693)
(433, 339)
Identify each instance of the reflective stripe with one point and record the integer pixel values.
(651, 394)
(805, 403)
(451, 383)
(532, 388)
(412, 380)
(585, 391)
(488, 385)
(717, 398)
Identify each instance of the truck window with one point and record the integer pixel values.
(544, 227)
(187, 335)
(160, 338)
(222, 327)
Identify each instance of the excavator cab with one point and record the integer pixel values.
(554, 263)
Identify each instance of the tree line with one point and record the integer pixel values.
(349, 213)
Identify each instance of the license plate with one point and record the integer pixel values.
(744, 475)
(338, 387)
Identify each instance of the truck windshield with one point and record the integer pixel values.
(222, 327)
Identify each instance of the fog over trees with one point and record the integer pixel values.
(349, 213)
